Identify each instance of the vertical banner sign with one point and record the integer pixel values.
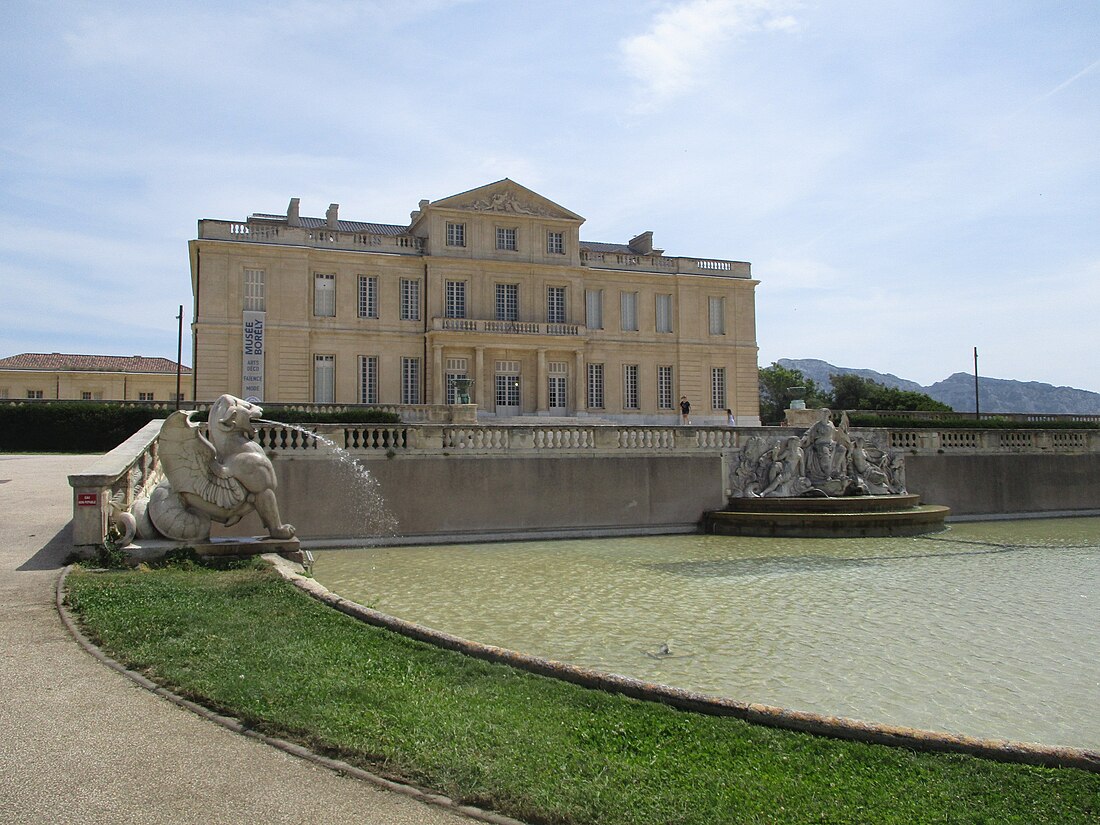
(252, 383)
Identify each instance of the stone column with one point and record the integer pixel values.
(580, 381)
(542, 393)
(439, 391)
(479, 377)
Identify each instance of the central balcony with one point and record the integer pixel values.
(506, 327)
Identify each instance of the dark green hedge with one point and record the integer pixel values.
(82, 427)
(70, 426)
(355, 416)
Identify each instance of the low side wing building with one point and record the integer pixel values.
(493, 285)
(62, 376)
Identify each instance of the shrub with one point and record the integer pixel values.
(83, 427)
(70, 426)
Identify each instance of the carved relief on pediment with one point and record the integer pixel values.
(507, 202)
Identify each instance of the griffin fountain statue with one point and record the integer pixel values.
(221, 478)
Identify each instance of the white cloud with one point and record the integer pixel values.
(683, 40)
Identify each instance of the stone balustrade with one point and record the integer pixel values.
(127, 472)
(662, 263)
(257, 232)
(133, 469)
(507, 327)
(918, 441)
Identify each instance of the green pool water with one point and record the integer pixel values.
(989, 629)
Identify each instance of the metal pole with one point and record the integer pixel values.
(977, 400)
(179, 356)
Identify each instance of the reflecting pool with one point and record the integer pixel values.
(989, 629)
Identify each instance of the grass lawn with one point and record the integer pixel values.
(250, 645)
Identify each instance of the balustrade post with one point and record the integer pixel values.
(606, 438)
(91, 508)
(684, 438)
(521, 438)
(426, 437)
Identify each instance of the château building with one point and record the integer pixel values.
(494, 285)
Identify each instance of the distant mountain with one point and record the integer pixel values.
(957, 391)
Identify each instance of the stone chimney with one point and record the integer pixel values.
(642, 244)
(414, 216)
(330, 215)
(292, 218)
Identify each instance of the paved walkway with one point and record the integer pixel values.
(80, 743)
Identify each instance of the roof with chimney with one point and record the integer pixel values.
(62, 362)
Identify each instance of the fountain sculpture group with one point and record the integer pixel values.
(826, 460)
(827, 482)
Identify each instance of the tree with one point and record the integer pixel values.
(775, 392)
(853, 392)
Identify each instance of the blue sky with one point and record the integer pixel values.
(909, 180)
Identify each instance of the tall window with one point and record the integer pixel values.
(664, 313)
(630, 386)
(628, 307)
(664, 387)
(507, 386)
(368, 296)
(410, 380)
(595, 386)
(555, 243)
(456, 368)
(507, 302)
(456, 299)
(410, 299)
(557, 385)
(368, 379)
(324, 295)
(555, 305)
(506, 238)
(717, 313)
(456, 234)
(593, 308)
(324, 379)
(718, 388)
(254, 289)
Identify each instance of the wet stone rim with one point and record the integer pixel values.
(838, 727)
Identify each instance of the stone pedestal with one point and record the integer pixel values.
(800, 418)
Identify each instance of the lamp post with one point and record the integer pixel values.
(179, 356)
(977, 399)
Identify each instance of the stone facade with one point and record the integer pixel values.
(60, 376)
(493, 285)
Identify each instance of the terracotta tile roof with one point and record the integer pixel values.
(88, 363)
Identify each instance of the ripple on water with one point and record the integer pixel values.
(987, 629)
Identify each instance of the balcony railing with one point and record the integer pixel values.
(663, 264)
(506, 327)
(321, 238)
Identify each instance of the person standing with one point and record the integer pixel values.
(685, 410)
(730, 420)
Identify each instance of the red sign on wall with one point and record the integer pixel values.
(87, 499)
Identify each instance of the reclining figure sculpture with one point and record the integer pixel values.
(221, 479)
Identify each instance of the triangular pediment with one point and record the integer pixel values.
(507, 197)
